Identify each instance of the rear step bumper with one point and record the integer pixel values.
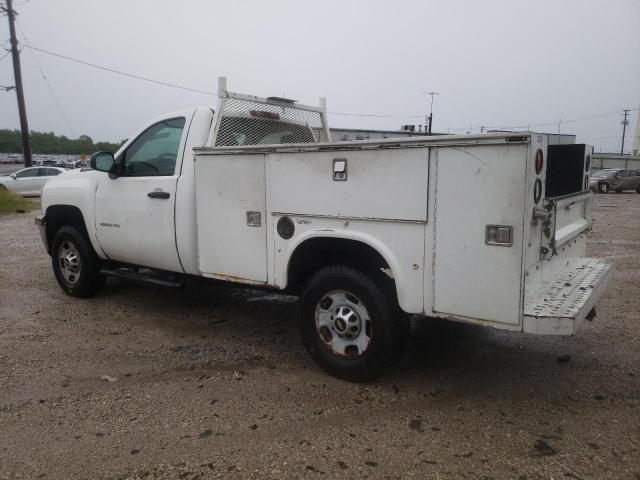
(557, 302)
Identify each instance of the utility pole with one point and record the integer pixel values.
(17, 72)
(429, 119)
(625, 122)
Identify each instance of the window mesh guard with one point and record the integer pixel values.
(249, 120)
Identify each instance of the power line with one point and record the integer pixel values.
(112, 70)
(347, 114)
(189, 89)
(549, 124)
(375, 115)
(44, 77)
(5, 55)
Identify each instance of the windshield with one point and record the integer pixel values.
(257, 131)
(604, 173)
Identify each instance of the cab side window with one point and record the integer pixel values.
(155, 151)
(31, 172)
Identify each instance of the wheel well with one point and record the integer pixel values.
(316, 253)
(61, 215)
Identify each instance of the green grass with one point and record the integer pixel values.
(12, 203)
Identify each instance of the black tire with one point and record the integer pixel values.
(71, 248)
(384, 331)
(638, 189)
(603, 188)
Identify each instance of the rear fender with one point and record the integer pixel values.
(406, 272)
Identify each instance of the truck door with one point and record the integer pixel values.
(135, 212)
(622, 180)
(634, 179)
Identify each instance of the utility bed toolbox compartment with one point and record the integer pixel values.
(375, 185)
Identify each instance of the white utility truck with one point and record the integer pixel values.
(485, 229)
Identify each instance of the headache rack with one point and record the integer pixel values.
(249, 120)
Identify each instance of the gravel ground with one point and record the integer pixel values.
(212, 382)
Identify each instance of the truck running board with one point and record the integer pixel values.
(150, 278)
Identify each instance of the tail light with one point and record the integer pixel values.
(539, 161)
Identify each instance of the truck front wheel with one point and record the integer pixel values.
(75, 264)
(348, 325)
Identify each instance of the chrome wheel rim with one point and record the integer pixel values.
(69, 261)
(343, 324)
(603, 188)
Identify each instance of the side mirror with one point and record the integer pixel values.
(103, 162)
(13, 176)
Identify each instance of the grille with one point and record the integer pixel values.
(256, 122)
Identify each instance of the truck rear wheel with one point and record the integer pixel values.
(75, 264)
(348, 325)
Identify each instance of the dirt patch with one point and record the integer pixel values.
(212, 382)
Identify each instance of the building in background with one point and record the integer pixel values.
(347, 134)
(615, 160)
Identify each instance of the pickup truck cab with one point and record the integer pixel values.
(485, 229)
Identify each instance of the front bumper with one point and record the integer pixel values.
(41, 221)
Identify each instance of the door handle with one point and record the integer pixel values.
(158, 194)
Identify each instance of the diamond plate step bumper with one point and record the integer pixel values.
(557, 300)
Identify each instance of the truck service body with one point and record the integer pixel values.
(487, 229)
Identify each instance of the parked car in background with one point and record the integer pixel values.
(29, 181)
(616, 179)
(70, 163)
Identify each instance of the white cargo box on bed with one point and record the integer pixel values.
(454, 217)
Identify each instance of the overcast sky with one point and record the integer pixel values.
(494, 63)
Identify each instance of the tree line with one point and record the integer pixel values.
(50, 143)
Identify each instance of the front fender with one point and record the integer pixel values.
(76, 189)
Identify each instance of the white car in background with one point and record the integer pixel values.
(29, 181)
